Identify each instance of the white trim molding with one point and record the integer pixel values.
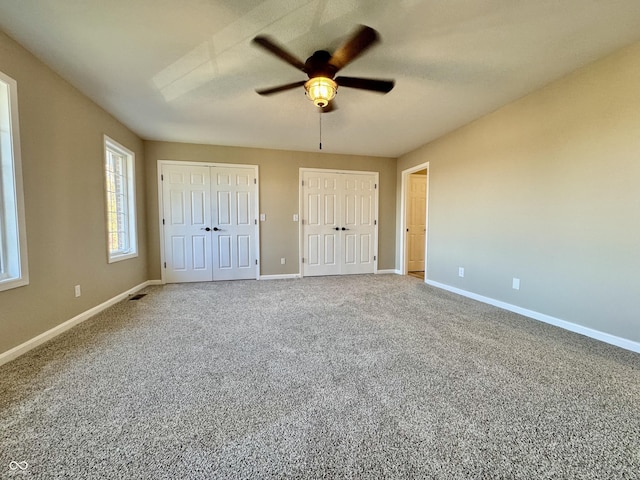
(280, 276)
(14, 268)
(115, 152)
(388, 271)
(401, 248)
(572, 327)
(23, 348)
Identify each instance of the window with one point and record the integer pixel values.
(13, 239)
(121, 206)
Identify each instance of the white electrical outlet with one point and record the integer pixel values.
(77, 291)
(263, 217)
(515, 284)
(283, 261)
(295, 217)
(461, 271)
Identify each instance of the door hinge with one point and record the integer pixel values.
(256, 261)
(303, 221)
(255, 181)
(303, 183)
(302, 259)
(374, 258)
(165, 264)
(375, 186)
(161, 177)
(256, 222)
(163, 221)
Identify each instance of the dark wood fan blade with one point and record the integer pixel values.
(352, 48)
(270, 46)
(377, 85)
(280, 88)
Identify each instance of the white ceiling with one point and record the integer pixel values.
(185, 70)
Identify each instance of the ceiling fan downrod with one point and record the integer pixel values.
(320, 115)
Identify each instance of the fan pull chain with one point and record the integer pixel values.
(320, 111)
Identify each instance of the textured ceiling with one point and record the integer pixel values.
(185, 70)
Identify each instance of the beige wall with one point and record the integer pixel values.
(62, 160)
(279, 174)
(546, 189)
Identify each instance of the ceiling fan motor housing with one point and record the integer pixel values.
(317, 65)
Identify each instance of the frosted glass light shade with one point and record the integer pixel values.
(321, 90)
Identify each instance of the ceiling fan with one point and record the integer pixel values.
(321, 68)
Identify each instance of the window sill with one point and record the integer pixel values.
(119, 258)
(9, 283)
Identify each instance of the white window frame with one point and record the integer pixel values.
(111, 147)
(14, 271)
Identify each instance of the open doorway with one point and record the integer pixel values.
(415, 188)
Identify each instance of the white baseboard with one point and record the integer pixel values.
(23, 348)
(280, 277)
(297, 275)
(572, 327)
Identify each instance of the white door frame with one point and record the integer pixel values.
(204, 164)
(403, 217)
(301, 173)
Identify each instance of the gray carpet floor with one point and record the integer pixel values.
(342, 377)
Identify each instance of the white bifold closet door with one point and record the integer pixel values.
(209, 223)
(339, 223)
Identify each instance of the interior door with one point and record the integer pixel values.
(339, 225)
(209, 223)
(358, 223)
(186, 194)
(322, 246)
(416, 222)
(234, 223)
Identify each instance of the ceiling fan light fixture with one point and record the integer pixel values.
(321, 90)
